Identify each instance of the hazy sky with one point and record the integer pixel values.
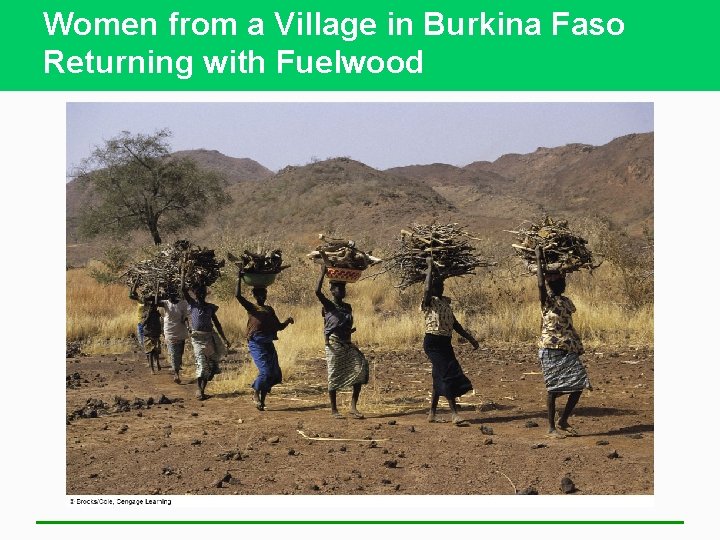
(381, 135)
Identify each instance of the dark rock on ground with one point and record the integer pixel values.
(73, 349)
(224, 479)
(567, 485)
(232, 455)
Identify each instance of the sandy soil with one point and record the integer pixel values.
(131, 444)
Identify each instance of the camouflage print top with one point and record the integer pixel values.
(557, 327)
(439, 318)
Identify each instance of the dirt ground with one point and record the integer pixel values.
(123, 437)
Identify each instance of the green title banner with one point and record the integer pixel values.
(352, 45)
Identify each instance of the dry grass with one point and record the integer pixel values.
(495, 307)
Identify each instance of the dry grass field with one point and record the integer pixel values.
(496, 307)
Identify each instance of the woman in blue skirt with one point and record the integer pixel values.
(262, 328)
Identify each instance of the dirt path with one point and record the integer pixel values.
(225, 446)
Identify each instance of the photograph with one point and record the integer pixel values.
(360, 298)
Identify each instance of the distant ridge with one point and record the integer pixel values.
(612, 181)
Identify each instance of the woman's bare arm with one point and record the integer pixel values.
(540, 276)
(428, 283)
(184, 289)
(244, 302)
(216, 322)
(464, 333)
(327, 304)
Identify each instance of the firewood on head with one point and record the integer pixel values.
(162, 273)
(563, 250)
(448, 245)
(269, 262)
(340, 253)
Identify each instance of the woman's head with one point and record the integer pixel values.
(173, 294)
(200, 292)
(337, 289)
(437, 287)
(556, 283)
(260, 294)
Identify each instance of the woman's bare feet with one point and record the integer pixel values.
(568, 430)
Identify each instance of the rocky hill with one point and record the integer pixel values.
(340, 195)
(235, 170)
(613, 181)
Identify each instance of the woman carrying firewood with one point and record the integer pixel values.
(346, 364)
(175, 322)
(448, 377)
(151, 328)
(262, 328)
(560, 349)
(207, 347)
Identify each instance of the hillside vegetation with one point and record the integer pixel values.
(611, 183)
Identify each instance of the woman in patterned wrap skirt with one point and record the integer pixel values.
(559, 352)
(346, 364)
(207, 347)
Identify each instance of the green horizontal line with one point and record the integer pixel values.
(362, 522)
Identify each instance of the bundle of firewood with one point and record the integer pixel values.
(269, 262)
(163, 272)
(562, 250)
(447, 245)
(339, 253)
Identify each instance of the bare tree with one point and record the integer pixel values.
(137, 185)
